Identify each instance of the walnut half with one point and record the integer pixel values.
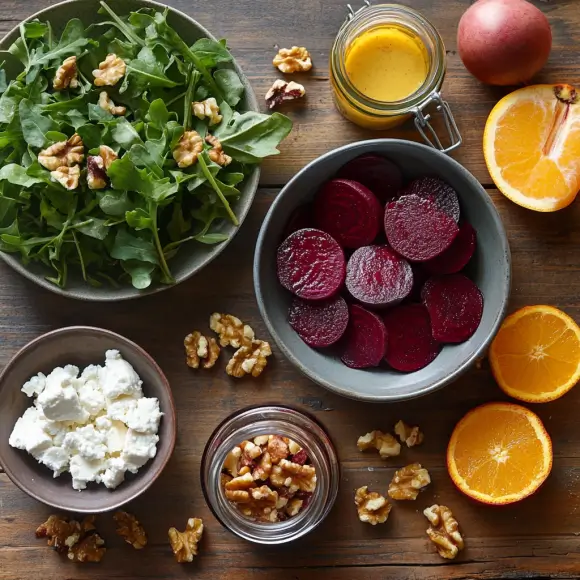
(216, 153)
(408, 482)
(444, 531)
(68, 177)
(110, 71)
(208, 109)
(188, 149)
(384, 443)
(249, 360)
(231, 330)
(64, 153)
(130, 529)
(107, 104)
(372, 507)
(198, 347)
(66, 75)
(291, 60)
(184, 544)
(411, 436)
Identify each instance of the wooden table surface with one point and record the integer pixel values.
(537, 538)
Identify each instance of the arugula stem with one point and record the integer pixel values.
(157, 241)
(192, 81)
(78, 247)
(217, 189)
(122, 26)
(175, 99)
(178, 243)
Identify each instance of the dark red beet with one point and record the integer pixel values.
(365, 339)
(380, 175)
(410, 344)
(320, 323)
(311, 264)
(457, 255)
(455, 306)
(376, 276)
(436, 190)
(349, 212)
(302, 217)
(417, 229)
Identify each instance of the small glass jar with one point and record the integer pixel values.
(271, 420)
(373, 114)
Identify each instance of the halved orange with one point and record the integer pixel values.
(531, 146)
(499, 453)
(535, 356)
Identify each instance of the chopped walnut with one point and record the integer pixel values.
(224, 478)
(96, 174)
(282, 91)
(198, 347)
(64, 153)
(372, 507)
(107, 104)
(130, 529)
(188, 149)
(240, 483)
(294, 506)
(110, 71)
(184, 544)
(263, 468)
(207, 109)
(216, 153)
(411, 436)
(250, 452)
(444, 531)
(293, 476)
(293, 447)
(408, 482)
(231, 330)
(385, 443)
(291, 60)
(261, 440)
(89, 549)
(232, 461)
(277, 448)
(249, 360)
(61, 532)
(68, 177)
(66, 75)
(107, 155)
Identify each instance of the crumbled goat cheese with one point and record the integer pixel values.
(119, 378)
(139, 449)
(144, 416)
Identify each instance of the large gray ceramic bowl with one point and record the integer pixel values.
(489, 268)
(192, 256)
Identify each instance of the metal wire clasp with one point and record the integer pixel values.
(427, 130)
(352, 11)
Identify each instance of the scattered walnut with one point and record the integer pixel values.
(64, 153)
(66, 75)
(249, 360)
(110, 71)
(291, 60)
(106, 103)
(372, 507)
(61, 532)
(207, 109)
(216, 153)
(444, 531)
(231, 330)
(96, 174)
(89, 549)
(294, 476)
(385, 443)
(278, 448)
(282, 91)
(198, 347)
(68, 177)
(408, 482)
(188, 149)
(130, 529)
(184, 544)
(410, 435)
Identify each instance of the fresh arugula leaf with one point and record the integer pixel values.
(145, 71)
(115, 203)
(150, 155)
(96, 228)
(125, 134)
(34, 124)
(211, 239)
(211, 52)
(99, 114)
(17, 175)
(128, 246)
(141, 273)
(230, 84)
(139, 219)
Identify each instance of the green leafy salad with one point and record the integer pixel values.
(119, 142)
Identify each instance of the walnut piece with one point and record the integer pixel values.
(372, 507)
(106, 103)
(107, 155)
(408, 482)
(282, 91)
(216, 153)
(68, 177)
(96, 174)
(294, 476)
(249, 360)
(66, 75)
(198, 347)
(231, 330)
(207, 109)
(291, 60)
(110, 71)
(232, 461)
(384, 443)
(61, 532)
(411, 436)
(89, 549)
(184, 544)
(188, 149)
(444, 531)
(278, 448)
(130, 529)
(263, 468)
(64, 153)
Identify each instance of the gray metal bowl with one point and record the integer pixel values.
(193, 256)
(490, 268)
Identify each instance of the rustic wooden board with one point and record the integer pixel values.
(537, 538)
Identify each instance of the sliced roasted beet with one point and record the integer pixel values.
(319, 323)
(457, 255)
(349, 212)
(417, 229)
(377, 277)
(365, 340)
(410, 344)
(311, 264)
(435, 189)
(380, 175)
(302, 217)
(455, 306)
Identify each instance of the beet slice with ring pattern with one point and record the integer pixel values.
(311, 264)
(301, 218)
(457, 255)
(438, 191)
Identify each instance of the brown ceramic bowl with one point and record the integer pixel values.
(81, 346)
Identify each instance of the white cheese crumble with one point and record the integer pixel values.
(97, 425)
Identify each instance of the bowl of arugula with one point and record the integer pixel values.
(150, 222)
